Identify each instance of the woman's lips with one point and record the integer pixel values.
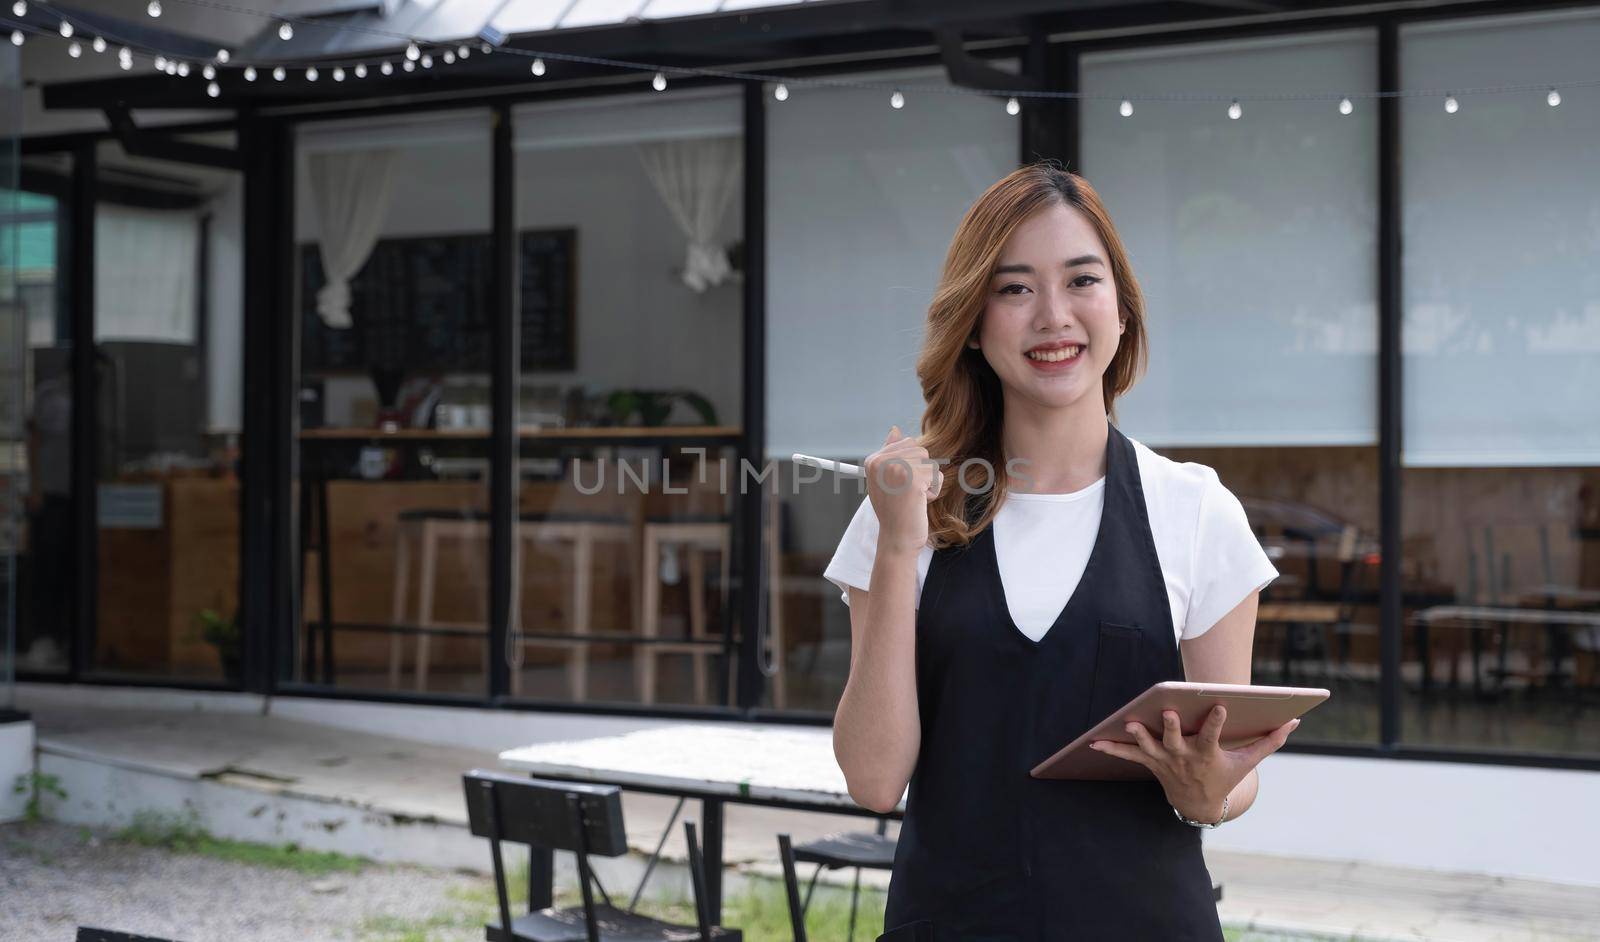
(1056, 366)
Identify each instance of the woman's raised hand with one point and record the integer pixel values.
(901, 481)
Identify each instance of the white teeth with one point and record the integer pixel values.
(1056, 356)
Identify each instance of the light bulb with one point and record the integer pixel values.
(1554, 98)
(409, 66)
(449, 57)
(249, 73)
(338, 75)
(781, 93)
(1345, 107)
(1234, 111)
(462, 51)
(222, 56)
(311, 74)
(210, 72)
(19, 9)
(66, 30)
(125, 61)
(154, 9)
(538, 67)
(897, 100)
(183, 69)
(285, 31)
(659, 83)
(99, 44)
(360, 70)
(172, 67)
(1126, 108)
(387, 68)
(426, 62)
(1012, 107)
(213, 89)
(279, 73)
(16, 37)
(74, 50)
(484, 47)
(412, 52)
(1450, 104)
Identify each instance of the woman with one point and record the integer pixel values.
(996, 616)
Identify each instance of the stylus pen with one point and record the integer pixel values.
(837, 467)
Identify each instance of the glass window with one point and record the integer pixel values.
(393, 307)
(629, 219)
(1501, 484)
(863, 200)
(1254, 241)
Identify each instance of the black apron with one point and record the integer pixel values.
(987, 852)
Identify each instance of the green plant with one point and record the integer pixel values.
(654, 405)
(222, 632)
(185, 835)
(36, 785)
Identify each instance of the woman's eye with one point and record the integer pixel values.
(1007, 288)
(1084, 281)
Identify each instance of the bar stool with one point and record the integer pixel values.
(428, 527)
(582, 532)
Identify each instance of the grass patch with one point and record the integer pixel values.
(185, 836)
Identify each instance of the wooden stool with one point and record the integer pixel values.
(695, 534)
(426, 528)
(582, 532)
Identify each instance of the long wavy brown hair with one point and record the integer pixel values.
(965, 408)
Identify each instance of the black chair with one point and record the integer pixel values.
(91, 934)
(584, 819)
(836, 851)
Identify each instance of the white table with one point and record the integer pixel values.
(745, 763)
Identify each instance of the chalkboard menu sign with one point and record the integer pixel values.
(423, 304)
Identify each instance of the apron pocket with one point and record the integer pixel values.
(1119, 670)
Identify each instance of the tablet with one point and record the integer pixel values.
(1253, 711)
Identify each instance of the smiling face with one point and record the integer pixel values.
(1050, 325)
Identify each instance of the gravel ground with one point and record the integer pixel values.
(54, 878)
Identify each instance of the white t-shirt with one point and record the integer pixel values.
(1210, 558)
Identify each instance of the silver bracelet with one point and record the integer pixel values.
(1201, 824)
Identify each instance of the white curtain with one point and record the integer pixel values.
(350, 193)
(146, 265)
(697, 179)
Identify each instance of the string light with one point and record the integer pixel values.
(1554, 98)
(1345, 107)
(183, 69)
(426, 62)
(172, 67)
(125, 59)
(209, 72)
(161, 63)
(412, 52)
(16, 37)
(897, 100)
(154, 9)
(484, 48)
(285, 31)
(1012, 107)
(449, 57)
(781, 93)
(249, 73)
(409, 66)
(19, 9)
(74, 50)
(279, 74)
(1125, 109)
(386, 68)
(66, 29)
(213, 89)
(538, 67)
(338, 74)
(463, 51)
(659, 83)
(1450, 104)
(1234, 111)
(99, 44)
(311, 74)
(222, 56)
(360, 70)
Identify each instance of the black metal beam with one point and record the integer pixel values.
(1390, 313)
(752, 594)
(969, 71)
(1050, 125)
(139, 142)
(504, 371)
(85, 458)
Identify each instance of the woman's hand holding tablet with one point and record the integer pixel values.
(1206, 739)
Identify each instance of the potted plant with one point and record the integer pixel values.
(222, 632)
(652, 406)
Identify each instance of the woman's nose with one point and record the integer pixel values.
(1054, 310)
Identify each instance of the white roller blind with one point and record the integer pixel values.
(862, 203)
(1254, 239)
(1501, 335)
(146, 273)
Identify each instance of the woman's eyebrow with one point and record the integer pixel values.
(1069, 263)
